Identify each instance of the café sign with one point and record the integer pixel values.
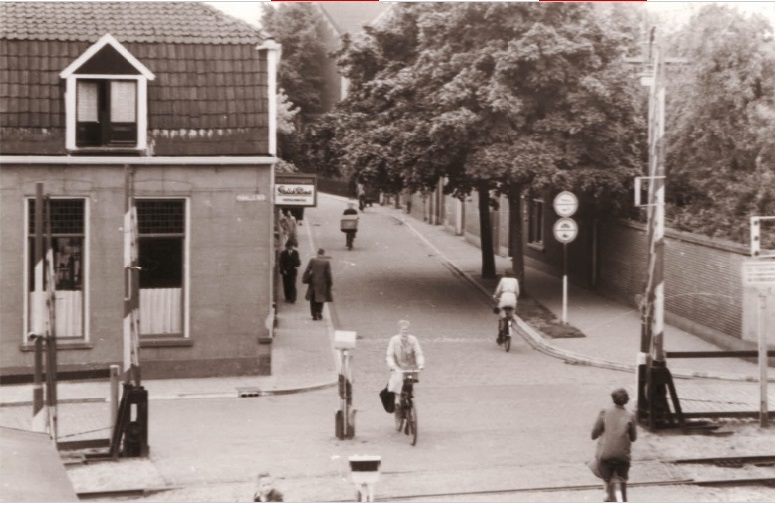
(299, 190)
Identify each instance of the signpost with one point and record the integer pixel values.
(565, 231)
(760, 274)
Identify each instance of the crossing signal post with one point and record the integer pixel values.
(654, 378)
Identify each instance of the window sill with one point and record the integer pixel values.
(165, 342)
(61, 346)
(538, 246)
(137, 151)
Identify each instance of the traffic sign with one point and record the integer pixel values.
(565, 204)
(565, 230)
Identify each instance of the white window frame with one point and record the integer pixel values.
(86, 267)
(71, 85)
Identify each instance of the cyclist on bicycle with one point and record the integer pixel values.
(615, 427)
(506, 294)
(403, 353)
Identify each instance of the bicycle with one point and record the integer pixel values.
(506, 329)
(406, 412)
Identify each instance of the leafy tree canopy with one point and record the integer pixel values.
(721, 123)
(505, 93)
(297, 26)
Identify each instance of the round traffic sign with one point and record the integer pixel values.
(565, 204)
(565, 230)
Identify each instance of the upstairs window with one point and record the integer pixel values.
(106, 99)
(106, 113)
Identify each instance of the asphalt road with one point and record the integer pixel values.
(514, 423)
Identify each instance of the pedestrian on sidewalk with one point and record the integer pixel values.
(403, 353)
(289, 264)
(506, 294)
(291, 224)
(319, 281)
(615, 431)
(265, 490)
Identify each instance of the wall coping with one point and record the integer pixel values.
(693, 238)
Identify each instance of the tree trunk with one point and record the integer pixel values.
(485, 232)
(515, 236)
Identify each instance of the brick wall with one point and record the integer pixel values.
(702, 276)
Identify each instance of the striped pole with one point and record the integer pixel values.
(131, 283)
(51, 347)
(657, 171)
(37, 320)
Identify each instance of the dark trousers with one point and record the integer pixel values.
(289, 286)
(316, 308)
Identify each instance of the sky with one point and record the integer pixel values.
(249, 10)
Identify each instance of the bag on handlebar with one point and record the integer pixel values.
(388, 400)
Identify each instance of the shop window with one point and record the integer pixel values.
(162, 256)
(65, 219)
(535, 228)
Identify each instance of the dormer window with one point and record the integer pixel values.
(106, 100)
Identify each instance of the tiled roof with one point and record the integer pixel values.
(171, 22)
(209, 74)
(351, 17)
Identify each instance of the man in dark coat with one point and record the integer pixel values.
(318, 278)
(289, 264)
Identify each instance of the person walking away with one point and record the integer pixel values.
(265, 490)
(615, 431)
(506, 294)
(403, 353)
(289, 264)
(350, 232)
(319, 282)
(360, 190)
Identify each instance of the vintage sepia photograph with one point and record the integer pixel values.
(394, 251)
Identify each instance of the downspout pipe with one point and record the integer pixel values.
(273, 54)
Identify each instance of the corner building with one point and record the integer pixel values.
(169, 102)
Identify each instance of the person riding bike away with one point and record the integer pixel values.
(615, 429)
(403, 353)
(506, 294)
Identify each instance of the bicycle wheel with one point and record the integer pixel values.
(507, 343)
(411, 423)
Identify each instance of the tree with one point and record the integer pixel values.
(297, 26)
(498, 97)
(721, 123)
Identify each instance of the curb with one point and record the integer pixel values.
(540, 343)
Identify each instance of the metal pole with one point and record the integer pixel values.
(38, 416)
(565, 283)
(762, 317)
(114, 380)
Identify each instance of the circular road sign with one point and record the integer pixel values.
(565, 204)
(565, 230)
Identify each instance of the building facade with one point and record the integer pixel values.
(171, 104)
